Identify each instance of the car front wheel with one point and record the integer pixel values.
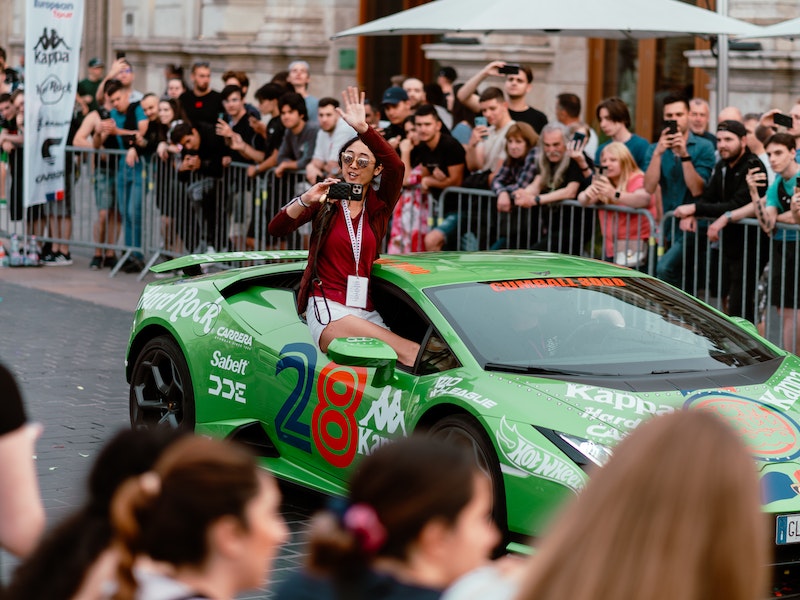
(464, 431)
(161, 388)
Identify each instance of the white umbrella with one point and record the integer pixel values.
(790, 28)
(612, 19)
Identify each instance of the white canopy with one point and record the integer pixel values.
(613, 19)
(790, 28)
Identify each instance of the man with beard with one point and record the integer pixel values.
(202, 104)
(417, 97)
(727, 197)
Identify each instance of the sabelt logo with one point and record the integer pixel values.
(228, 363)
(237, 337)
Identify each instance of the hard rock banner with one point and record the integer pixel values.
(53, 30)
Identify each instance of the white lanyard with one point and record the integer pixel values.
(355, 238)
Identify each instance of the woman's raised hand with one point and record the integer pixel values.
(352, 110)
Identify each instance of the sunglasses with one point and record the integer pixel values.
(361, 162)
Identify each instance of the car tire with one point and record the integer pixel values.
(463, 430)
(161, 392)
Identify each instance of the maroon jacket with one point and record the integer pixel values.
(378, 208)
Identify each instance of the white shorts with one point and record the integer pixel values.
(337, 311)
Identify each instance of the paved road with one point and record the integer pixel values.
(68, 355)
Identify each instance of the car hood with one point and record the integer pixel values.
(766, 415)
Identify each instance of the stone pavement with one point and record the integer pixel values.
(63, 332)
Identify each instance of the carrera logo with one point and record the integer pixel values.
(234, 337)
(227, 363)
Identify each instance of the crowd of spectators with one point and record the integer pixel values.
(480, 134)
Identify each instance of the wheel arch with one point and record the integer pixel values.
(146, 334)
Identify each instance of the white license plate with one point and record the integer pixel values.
(787, 529)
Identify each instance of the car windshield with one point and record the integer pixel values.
(593, 326)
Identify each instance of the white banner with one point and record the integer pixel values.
(53, 30)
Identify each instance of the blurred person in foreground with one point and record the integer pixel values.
(75, 559)
(206, 514)
(21, 510)
(417, 518)
(676, 513)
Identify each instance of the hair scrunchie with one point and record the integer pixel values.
(363, 522)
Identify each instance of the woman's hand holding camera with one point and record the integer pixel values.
(318, 193)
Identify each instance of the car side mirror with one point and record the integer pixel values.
(365, 352)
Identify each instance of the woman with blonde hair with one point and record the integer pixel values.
(621, 183)
(675, 513)
(206, 514)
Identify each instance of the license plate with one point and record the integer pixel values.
(787, 529)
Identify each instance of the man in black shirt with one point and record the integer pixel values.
(202, 104)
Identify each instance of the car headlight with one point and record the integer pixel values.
(597, 453)
(581, 451)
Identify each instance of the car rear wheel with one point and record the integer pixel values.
(464, 431)
(161, 388)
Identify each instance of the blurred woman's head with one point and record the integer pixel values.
(520, 139)
(415, 498)
(618, 163)
(170, 110)
(205, 503)
(675, 513)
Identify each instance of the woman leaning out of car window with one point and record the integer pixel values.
(347, 231)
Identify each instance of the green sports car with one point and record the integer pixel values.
(539, 362)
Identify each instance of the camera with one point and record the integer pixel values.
(671, 125)
(783, 120)
(508, 69)
(346, 191)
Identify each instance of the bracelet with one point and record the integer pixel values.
(617, 194)
(686, 158)
(537, 200)
(729, 216)
(299, 200)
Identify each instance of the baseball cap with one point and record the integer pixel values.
(394, 95)
(735, 127)
(97, 62)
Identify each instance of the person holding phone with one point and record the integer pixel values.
(568, 113)
(782, 205)
(518, 84)
(621, 182)
(726, 198)
(680, 163)
(335, 289)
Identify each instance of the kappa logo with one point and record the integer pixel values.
(51, 49)
(383, 417)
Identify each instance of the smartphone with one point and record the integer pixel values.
(578, 136)
(672, 125)
(120, 54)
(221, 116)
(754, 163)
(783, 120)
(508, 69)
(481, 122)
(601, 170)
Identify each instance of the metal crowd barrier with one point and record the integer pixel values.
(567, 227)
(151, 211)
(745, 273)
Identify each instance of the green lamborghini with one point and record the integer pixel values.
(540, 363)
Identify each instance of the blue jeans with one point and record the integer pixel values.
(130, 198)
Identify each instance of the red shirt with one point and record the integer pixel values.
(336, 259)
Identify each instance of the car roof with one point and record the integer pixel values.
(430, 269)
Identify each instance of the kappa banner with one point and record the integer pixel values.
(53, 33)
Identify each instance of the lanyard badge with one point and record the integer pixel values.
(356, 286)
